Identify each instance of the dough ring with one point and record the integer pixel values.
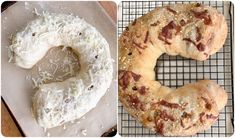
(190, 30)
(59, 102)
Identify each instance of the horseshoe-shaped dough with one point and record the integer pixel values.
(59, 102)
(190, 30)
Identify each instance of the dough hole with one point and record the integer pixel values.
(59, 64)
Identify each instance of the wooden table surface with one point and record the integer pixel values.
(9, 126)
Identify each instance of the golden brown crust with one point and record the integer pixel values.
(190, 30)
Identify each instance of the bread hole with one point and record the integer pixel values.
(176, 71)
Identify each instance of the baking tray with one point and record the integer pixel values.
(175, 71)
(17, 91)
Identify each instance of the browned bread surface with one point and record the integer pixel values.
(190, 30)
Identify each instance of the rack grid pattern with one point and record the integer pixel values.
(175, 71)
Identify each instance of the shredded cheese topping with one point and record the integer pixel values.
(59, 102)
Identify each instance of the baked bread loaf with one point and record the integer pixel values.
(190, 30)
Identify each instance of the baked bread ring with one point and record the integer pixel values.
(190, 30)
(59, 102)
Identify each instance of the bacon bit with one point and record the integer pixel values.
(199, 35)
(200, 47)
(203, 15)
(201, 115)
(146, 37)
(167, 33)
(171, 10)
(189, 40)
(166, 30)
(182, 22)
(178, 29)
(134, 22)
(124, 80)
(153, 105)
(136, 77)
(138, 46)
(159, 126)
(211, 116)
(186, 115)
(155, 24)
(142, 90)
(165, 40)
(167, 104)
(134, 101)
(208, 105)
(166, 117)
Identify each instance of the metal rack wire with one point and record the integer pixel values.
(175, 71)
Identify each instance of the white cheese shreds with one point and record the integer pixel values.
(36, 12)
(48, 134)
(45, 130)
(84, 132)
(64, 127)
(35, 83)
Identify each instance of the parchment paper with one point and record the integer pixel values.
(17, 91)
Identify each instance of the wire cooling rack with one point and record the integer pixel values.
(175, 71)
